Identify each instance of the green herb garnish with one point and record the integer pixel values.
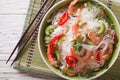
(77, 46)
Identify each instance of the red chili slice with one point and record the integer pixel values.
(115, 37)
(71, 61)
(63, 19)
(98, 56)
(51, 48)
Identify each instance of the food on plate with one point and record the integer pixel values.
(80, 38)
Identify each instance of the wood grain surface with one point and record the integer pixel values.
(12, 17)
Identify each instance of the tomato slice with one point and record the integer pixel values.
(63, 19)
(71, 61)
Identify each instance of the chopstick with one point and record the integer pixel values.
(32, 32)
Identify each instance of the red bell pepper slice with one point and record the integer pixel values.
(98, 56)
(63, 19)
(71, 61)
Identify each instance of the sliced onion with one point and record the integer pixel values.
(88, 47)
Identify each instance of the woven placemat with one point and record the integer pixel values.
(31, 61)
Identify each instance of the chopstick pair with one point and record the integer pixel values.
(32, 32)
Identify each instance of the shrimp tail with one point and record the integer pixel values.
(70, 7)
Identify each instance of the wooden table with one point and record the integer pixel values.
(12, 17)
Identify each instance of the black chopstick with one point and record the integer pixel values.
(32, 32)
(27, 30)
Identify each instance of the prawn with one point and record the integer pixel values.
(84, 59)
(70, 7)
(75, 27)
(108, 51)
(50, 58)
(95, 39)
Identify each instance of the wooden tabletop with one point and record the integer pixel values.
(12, 17)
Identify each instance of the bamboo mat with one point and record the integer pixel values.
(30, 61)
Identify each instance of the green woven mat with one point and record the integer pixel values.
(30, 61)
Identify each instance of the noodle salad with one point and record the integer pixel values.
(80, 38)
